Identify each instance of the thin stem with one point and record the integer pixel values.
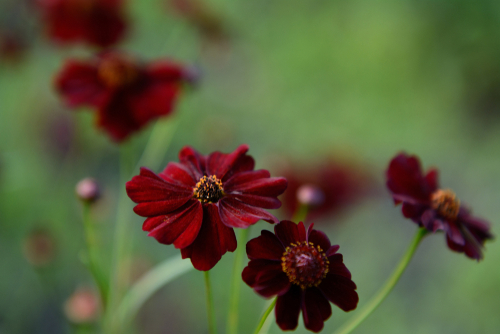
(265, 315)
(212, 328)
(300, 213)
(150, 283)
(384, 291)
(92, 255)
(232, 317)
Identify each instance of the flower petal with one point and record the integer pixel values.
(332, 250)
(213, 241)
(337, 267)
(288, 232)
(272, 282)
(315, 309)
(244, 177)
(219, 164)
(254, 268)
(340, 291)
(234, 213)
(266, 246)
(179, 173)
(193, 160)
(318, 238)
(258, 201)
(288, 308)
(270, 187)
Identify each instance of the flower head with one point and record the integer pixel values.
(304, 270)
(126, 93)
(435, 208)
(96, 22)
(194, 204)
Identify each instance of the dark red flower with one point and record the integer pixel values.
(194, 204)
(304, 270)
(96, 22)
(434, 208)
(126, 93)
(327, 188)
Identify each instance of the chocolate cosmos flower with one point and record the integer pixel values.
(434, 208)
(126, 93)
(95, 22)
(194, 204)
(304, 270)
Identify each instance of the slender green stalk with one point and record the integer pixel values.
(212, 327)
(150, 283)
(92, 255)
(265, 315)
(300, 214)
(350, 325)
(234, 299)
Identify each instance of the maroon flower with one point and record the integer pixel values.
(433, 208)
(96, 22)
(126, 93)
(327, 188)
(196, 203)
(304, 270)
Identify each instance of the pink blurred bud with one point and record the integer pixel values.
(88, 190)
(309, 194)
(82, 306)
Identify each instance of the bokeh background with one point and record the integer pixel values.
(298, 81)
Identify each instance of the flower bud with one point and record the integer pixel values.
(88, 190)
(39, 248)
(82, 306)
(310, 195)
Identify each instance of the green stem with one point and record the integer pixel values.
(384, 291)
(300, 214)
(150, 283)
(232, 317)
(265, 315)
(212, 329)
(92, 255)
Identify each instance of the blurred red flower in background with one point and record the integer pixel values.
(99, 23)
(433, 208)
(194, 204)
(304, 270)
(127, 93)
(327, 188)
(12, 46)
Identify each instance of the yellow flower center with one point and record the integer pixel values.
(208, 189)
(446, 203)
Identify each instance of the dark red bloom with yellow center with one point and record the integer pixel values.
(127, 94)
(434, 208)
(304, 270)
(194, 204)
(96, 22)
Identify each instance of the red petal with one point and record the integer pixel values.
(243, 164)
(332, 250)
(319, 238)
(219, 164)
(254, 268)
(315, 309)
(244, 177)
(337, 267)
(272, 283)
(266, 246)
(288, 308)
(288, 232)
(258, 201)
(340, 291)
(193, 160)
(237, 214)
(175, 172)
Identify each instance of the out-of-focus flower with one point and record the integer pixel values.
(88, 190)
(434, 208)
(326, 188)
(303, 270)
(96, 22)
(196, 203)
(127, 93)
(12, 46)
(83, 306)
(39, 247)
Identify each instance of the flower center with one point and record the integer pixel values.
(304, 264)
(446, 203)
(117, 71)
(208, 189)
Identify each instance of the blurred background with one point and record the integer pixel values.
(305, 84)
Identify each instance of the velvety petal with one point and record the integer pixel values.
(213, 241)
(219, 164)
(244, 177)
(475, 232)
(430, 221)
(166, 71)
(266, 246)
(193, 160)
(337, 267)
(288, 232)
(319, 238)
(270, 187)
(272, 282)
(340, 291)
(234, 213)
(254, 268)
(181, 227)
(315, 309)
(332, 250)
(179, 173)
(288, 308)
(257, 201)
(244, 164)
(453, 232)
(79, 85)
(432, 179)
(413, 211)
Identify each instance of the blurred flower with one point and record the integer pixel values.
(434, 208)
(327, 188)
(126, 93)
(39, 247)
(196, 203)
(303, 270)
(82, 306)
(88, 190)
(96, 22)
(12, 46)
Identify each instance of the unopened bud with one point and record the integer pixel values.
(82, 306)
(88, 190)
(310, 195)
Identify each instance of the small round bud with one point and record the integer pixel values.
(311, 195)
(82, 306)
(88, 190)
